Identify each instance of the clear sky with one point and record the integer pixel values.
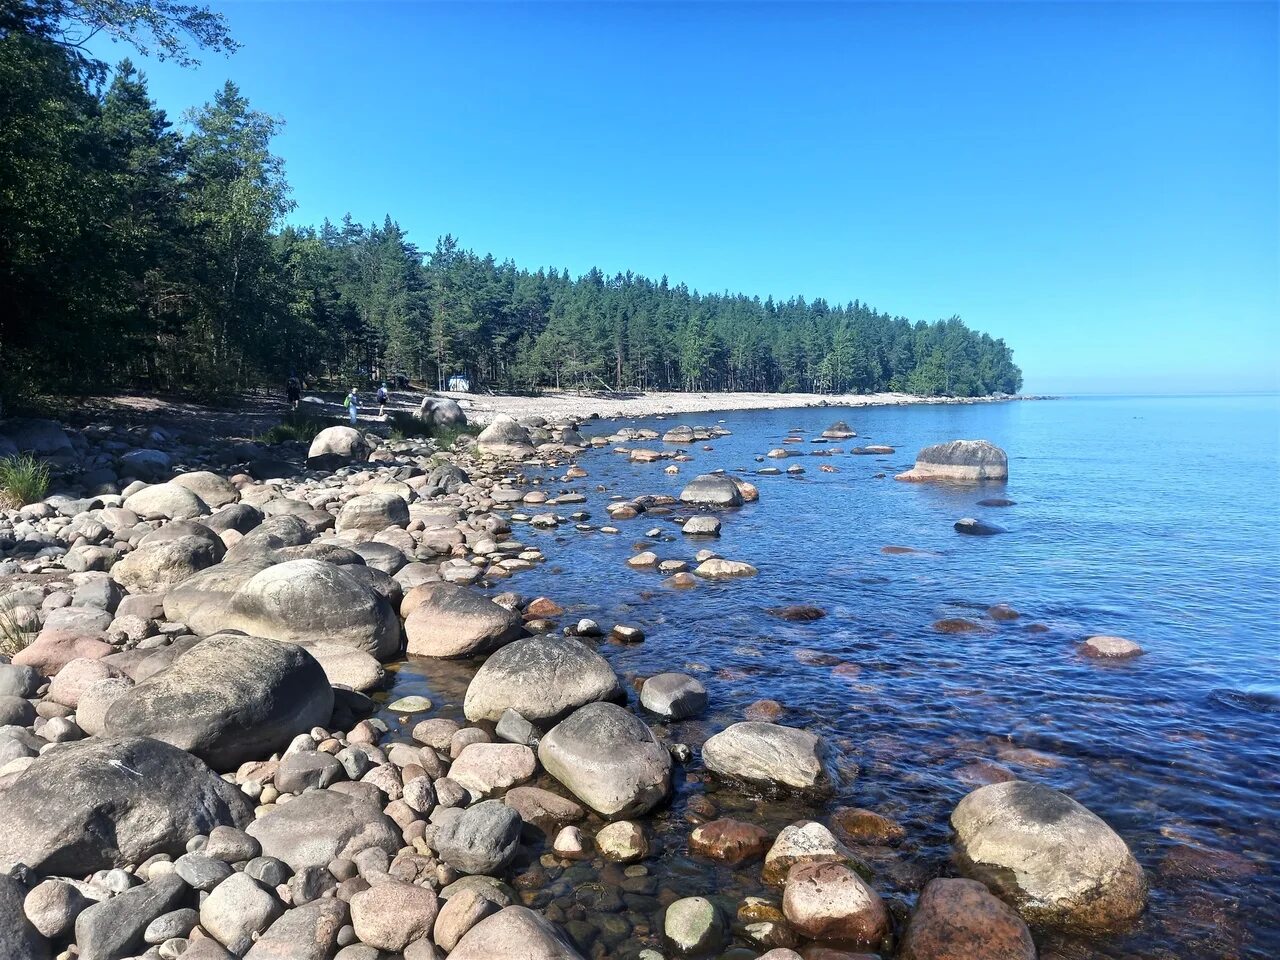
(1095, 182)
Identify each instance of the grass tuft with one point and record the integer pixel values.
(294, 426)
(23, 480)
(406, 426)
(15, 636)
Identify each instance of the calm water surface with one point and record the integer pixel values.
(1155, 519)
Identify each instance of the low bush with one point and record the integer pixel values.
(295, 426)
(23, 480)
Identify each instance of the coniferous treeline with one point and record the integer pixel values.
(135, 254)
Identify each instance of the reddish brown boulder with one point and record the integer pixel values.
(867, 826)
(764, 710)
(54, 649)
(731, 841)
(828, 901)
(543, 607)
(960, 920)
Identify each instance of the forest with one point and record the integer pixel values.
(142, 253)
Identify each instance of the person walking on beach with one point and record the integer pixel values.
(352, 403)
(293, 389)
(382, 401)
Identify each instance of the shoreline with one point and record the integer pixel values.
(482, 408)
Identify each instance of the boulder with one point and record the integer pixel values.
(166, 501)
(543, 678)
(105, 802)
(321, 826)
(451, 621)
(303, 600)
(156, 567)
(515, 932)
(731, 841)
(228, 699)
(53, 905)
(505, 438)
(307, 932)
(828, 901)
(392, 915)
(963, 461)
(609, 760)
(462, 911)
(347, 666)
(839, 431)
(53, 649)
(1051, 858)
(273, 534)
(978, 528)
(114, 928)
(367, 515)
(238, 911)
(694, 926)
(718, 568)
(479, 840)
(960, 919)
(335, 447)
(441, 412)
(674, 696)
(19, 940)
(769, 755)
(146, 463)
(805, 842)
(214, 490)
(44, 437)
(712, 489)
(489, 768)
(701, 526)
(200, 601)
(1110, 648)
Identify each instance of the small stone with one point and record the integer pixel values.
(623, 841)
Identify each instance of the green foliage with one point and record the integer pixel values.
(295, 426)
(158, 258)
(23, 479)
(406, 426)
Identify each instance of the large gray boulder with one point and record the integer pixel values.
(609, 759)
(308, 600)
(319, 826)
(336, 447)
(306, 932)
(107, 802)
(367, 515)
(199, 601)
(19, 940)
(712, 489)
(441, 412)
(481, 839)
(505, 438)
(159, 565)
(166, 501)
(964, 461)
(515, 932)
(274, 533)
(1051, 858)
(228, 699)
(543, 678)
(769, 755)
(44, 437)
(114, 928)
(214, 490)
(450, 621)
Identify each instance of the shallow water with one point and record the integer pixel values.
(1154, 519)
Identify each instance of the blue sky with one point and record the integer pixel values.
(1094, 182)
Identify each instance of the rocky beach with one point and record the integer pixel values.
(206, 751)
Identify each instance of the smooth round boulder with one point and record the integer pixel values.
(481, 839)
(158, 566)
(335, 447)
(214, 490)
(712, 489)
(609, 759)
(166, 501)
(543, 678)
(701, 526)
(1110, 648)
(505, 438)
(957, 919)
(828, 901)
(367, 515)
(441, 412)
(321, 826)
(731, 841)
(694, 926)
(228, 699)
(1048, 856)
(515, 932)
(674, 696)
(769, 755)
(449, 621)
(392, 915)
(960, 461)
(106, 802)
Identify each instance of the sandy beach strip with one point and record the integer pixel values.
(483, 408)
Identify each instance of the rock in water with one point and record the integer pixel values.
(693, 926)
(768, 754)
(451, 621)
(839, 431)
(1110, 648)
(505, 438)
(828, 901)
(609, 759)
(336, 447)
(543, 678)
(964, 461)
(514, 932)
(712, 489)
(959, 920)
(978, 528)
(228, 699)
(106, 802)
(320, 826)
(480, 839)
(675, 696)
(1054, 860)
(19, 940)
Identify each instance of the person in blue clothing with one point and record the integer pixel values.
(352, 403)
(382, 401)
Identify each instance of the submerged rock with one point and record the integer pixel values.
(694, 926)
(826, 900)
(965, 461)
(978, 528)
(960, 920)
(731, 841)
(1054, 860)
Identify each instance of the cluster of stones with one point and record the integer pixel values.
(188, 767)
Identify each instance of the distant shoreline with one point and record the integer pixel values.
(483, 408)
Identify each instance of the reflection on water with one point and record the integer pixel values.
(1152, 519)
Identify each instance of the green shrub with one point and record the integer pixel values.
(295, 426)
(406, 426)
(23, 479)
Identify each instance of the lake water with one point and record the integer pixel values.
(1153, 518)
